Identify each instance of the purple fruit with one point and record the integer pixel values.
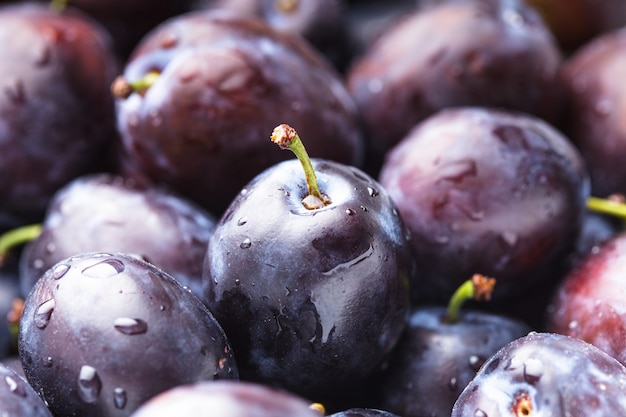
(546, 374)
(108, 213)
(100, 334)
(226, 399)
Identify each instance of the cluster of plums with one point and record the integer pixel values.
(299, 208)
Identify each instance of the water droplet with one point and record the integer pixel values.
(363, 208)
(346, 265)
(43, 313)
(475, 362)
(38, 263)
(130, 326)
(47, 362)
(161, 307)
(442, 239)
(480, 413)
(242, 221)
(60, 270)
(237, 282)
(453, 384)
(89, 384)
(508, 237)
(533, 370)
(245, 244)
(169, 40)
(104, 269)
(350, 212)
(15, 386)
(375, 85)
(572, 325)
(119, 398)
(50, 248)
(373, 192)
(603, 107)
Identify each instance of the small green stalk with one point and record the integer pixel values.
(122, 88)
(607, 206)
(286, 137)
(478, 288)
(58, 5)
(16, 237)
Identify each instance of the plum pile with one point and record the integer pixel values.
(341, 208)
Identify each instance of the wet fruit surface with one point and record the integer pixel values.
(18, 398)
(490, 192)
(216, 71)
(546, 374)
(101, 333)
(435, 360)
(104, 212)
(589, 304)
(323, 291)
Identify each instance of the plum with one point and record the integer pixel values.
(589, 303)
(495, 53)
(546, 374)
(102, 333)
(106, 212)
(596, 99)
(57, 115)
(226, 399)
(310, 285)
(220, 83)
(487, 191)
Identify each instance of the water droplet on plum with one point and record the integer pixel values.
(104, 269)
(533, 370)
(119, 398)
(15, 386)
(245, 244)
(44, 313)
(89, 384)
(59, 271)
(130, 326)
(242, 221)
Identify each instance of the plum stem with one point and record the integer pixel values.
(478, 288)
(286, 6)
(613, 205)
(319, 408)
(286, 137)
(122, 88)
(16, 237)
(59, 5)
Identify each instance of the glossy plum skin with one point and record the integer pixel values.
(218, 70)
(18, 398)
(434, 360)
(226, 399)
(459, 53)
(589, 303)
(487, 191)
(109, 213)
(546, 374)
(100, 334)
(323, 23)
(56, 110)
(596, 101)
(312, 300)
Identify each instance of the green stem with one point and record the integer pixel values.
(286, 137)
(607, 206)
(478, 288)
(16, 237)
(122, 88)
(58, 5)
